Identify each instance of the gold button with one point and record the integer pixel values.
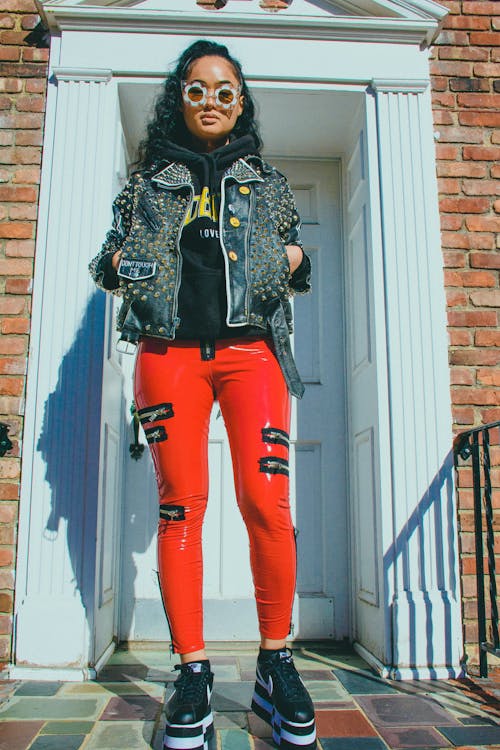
(244, 190)
(232, 255)
(234, 221)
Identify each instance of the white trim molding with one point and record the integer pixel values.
(80, 74)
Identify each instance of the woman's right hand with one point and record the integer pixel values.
(115, 260)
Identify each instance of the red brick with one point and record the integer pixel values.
(12, 345)
(8, 193)
(479, 101)
(495, 170)
(481, 119)
(455, 240)
(446, 152)
(24, 121)
(15, 230)
(485, 260)
(468, 22)
(467, 53)
(9, 468)
(488, 39)
(490, 376)
(481, 187)
(456, 336)
(464, 205)
(11, 85)
(29, 22)
(456, 298)
(469, 84)
(464, 318)
(474, 357)
(23, 211)
(486, 298)
(483, 337)
(18, 286)
(5, 623)
(462, 376)
(35, 85)
(6, 598)
(451, 222)
(481, 153)
(488, 70)
(481, 241)
(17, 6)
(479, 396)
(32, 54)
(11, 386)
(468, 566)
(15, 266)
(14, 325)
(451, 68)
(28, 137)
(30, 103)
(443, 99)
(442, 117)
(449, 185)
(483, 223)
(28, 155)
(20, 248)
(460, 169)
(453, 259)
(463, 416)
(490, 415)
(6, 138)
(6, 22)
(12, 366)
(31, 175)
(11, 305)
(9, 53)
(439, 83)
(20, 70)
(451, 134)
(12, 37)
(479, 7)
(478, 278)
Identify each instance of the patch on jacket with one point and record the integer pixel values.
(136, 269)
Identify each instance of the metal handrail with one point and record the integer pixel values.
(468, 444)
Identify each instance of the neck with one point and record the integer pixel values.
(206, 146)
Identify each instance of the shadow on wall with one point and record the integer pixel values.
(69, 445)
(435, 514)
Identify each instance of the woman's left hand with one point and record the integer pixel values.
(295, 255)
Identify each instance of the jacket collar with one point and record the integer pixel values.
(176, 174)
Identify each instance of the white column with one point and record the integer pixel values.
(59, 493)
(421, 554)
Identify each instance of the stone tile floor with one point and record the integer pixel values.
(356, 710)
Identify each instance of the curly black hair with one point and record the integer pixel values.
(168, 123)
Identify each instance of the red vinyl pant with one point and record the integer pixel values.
(174, 392)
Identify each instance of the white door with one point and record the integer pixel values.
(319, 491)
(111, 461)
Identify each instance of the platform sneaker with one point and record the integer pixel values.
(190, 724)
(281, 699)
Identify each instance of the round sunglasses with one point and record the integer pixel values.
(196, 95)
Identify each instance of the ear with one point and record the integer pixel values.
(241, 103)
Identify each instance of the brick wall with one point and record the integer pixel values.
(466, 102)
(23, 73)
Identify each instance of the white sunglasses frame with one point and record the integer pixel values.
(210, 92)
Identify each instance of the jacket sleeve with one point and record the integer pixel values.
(289, 229)
(101, 268)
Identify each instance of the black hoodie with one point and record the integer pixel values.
(202, 295)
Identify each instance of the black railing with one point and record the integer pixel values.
(476, 443)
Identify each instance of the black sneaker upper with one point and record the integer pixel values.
(190, 701)
(285, 687)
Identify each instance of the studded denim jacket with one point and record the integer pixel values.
(257, 218)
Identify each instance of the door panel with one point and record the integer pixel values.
(317, 451)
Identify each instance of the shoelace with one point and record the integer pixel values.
(288, 677)
(190, 686)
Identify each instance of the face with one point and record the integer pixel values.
(210, 121)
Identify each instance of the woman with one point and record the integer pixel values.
(205, 252)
